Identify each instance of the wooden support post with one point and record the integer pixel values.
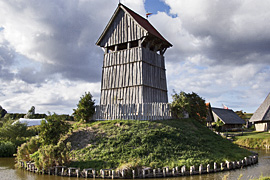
(62, 172)
(133, 174)
(164, 172)
(102, 173)
(143, 173)
(246, 161)
(86, 173)
(215, 167)
(228, 165)
(113, 174)
(154, 173)
(55, 171)
(208, 168)
(221, 166)
(191, 171)
(238, 164)
(167, 170)
(69, 172)
(233, 164)
(94, 173)
(200, 169)
(123, 173)
(183, 170)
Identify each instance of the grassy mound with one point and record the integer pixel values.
(254, 140)
(118, 144)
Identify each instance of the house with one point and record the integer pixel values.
(230, 119)
(209, 115)
(30, 122)
(261, 117)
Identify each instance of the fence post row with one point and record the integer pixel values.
(144, 111)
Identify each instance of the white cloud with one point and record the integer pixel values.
(48, 56)
(59, 96)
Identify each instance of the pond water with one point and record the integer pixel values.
(9, 172)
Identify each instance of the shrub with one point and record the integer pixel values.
(52, 130)
(7, 149)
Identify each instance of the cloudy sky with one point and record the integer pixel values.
(48, 56)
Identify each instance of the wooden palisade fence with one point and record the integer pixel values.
(141, 173)
(143, 111)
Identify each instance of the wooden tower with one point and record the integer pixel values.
(133, 67)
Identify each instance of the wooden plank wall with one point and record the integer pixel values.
(122, 30)
(134, 75)
(154, 77)
(140, 111)
(122, 77)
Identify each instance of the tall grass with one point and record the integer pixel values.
(154, 144)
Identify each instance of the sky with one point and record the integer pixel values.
(48, 56)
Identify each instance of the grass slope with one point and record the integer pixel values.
(118, 144)
(255, 140)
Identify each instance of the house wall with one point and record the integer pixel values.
(262, 126)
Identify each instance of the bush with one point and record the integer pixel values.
(26, 149)
(7, 149)
(52, 155)
(52, 130)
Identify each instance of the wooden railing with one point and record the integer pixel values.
(145, 111)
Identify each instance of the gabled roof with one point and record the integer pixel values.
(209, 117)
(144, 23)
(263, 112)
(228, 116)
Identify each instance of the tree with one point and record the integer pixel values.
(190, 103)
(85, 108)
(180, 104)
(31, 113)
(3, 112)
(14, 131)
(52, 130)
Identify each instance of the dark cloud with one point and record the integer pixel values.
(6, 61)
(63, 37)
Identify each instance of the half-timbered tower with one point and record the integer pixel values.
(133, 67)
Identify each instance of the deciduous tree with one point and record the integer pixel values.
(85, 108)
(190, 103)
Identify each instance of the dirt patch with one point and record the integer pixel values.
(83, 138)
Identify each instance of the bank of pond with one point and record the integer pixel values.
(140, 172)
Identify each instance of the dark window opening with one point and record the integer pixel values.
(134, 44)
(122, 46)
(110, 49)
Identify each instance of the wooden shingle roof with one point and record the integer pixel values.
(144, 23)
(228, 116)
(263, 112)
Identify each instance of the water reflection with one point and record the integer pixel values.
(7, 172)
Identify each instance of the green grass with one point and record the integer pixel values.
(248, 115)
(118, 144)
(255, 140)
